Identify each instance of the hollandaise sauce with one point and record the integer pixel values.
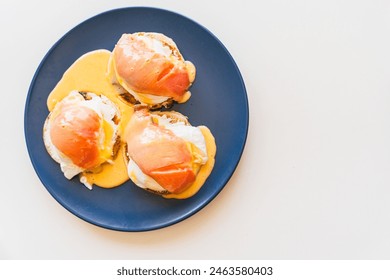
(89, 74)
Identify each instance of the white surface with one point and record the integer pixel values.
(314, 180)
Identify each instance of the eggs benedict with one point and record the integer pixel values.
(151, 70)
(81, 133)
(166, 155)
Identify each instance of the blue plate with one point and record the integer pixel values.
(218, 101)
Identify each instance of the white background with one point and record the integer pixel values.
(314, 180)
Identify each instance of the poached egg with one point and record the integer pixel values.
(150, 67)
(81, 133)
(165, 152)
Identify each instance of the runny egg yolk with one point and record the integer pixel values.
(88, 74)
(107, 147)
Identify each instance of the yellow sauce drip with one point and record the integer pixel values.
(111, 174)
(88, 73)
(204, 171)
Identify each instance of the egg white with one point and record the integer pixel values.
(188, 133)
(104, 108)
(147, 99)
